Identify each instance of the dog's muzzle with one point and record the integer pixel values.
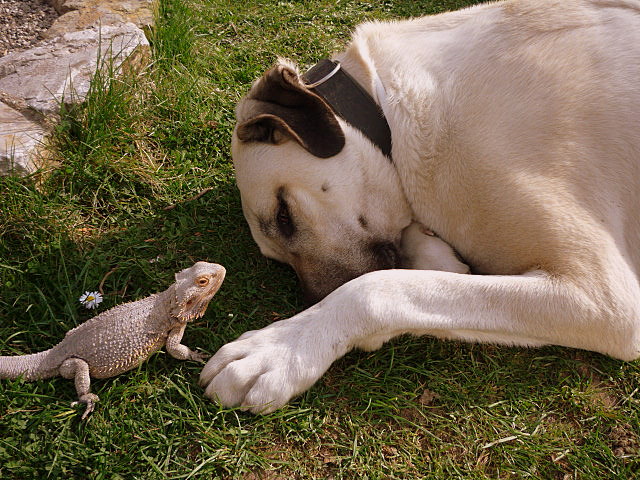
(386, 255)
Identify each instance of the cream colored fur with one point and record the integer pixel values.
(516, 138)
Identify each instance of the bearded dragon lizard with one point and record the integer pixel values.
(124, 336)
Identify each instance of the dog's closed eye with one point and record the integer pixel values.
(283, 219)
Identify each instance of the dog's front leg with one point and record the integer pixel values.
(263, 369)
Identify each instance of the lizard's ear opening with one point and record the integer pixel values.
(193, 307)
(187, 310)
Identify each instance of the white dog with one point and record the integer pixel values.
(515, 130)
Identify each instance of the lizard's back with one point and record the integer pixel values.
(118, 339)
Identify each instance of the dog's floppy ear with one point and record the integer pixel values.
(281, 107)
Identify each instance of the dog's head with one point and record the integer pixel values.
(316, 193)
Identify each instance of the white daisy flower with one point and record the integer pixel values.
(90, 299)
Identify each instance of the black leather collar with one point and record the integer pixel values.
(350, 101)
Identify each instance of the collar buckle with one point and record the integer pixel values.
(325, 78)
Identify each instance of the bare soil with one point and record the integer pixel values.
(22, 23)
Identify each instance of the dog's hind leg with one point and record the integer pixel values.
(423, 250)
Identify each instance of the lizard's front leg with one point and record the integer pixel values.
(78, 369)
(179, 351)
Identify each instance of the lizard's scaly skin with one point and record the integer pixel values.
(124, 336)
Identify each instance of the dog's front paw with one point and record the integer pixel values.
(263, 369)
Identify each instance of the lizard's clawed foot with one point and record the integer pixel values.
(199, 357)
(90, 399)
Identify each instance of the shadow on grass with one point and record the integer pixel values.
(45, 268)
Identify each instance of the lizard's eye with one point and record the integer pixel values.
(202, 281)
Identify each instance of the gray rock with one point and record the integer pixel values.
(34, 83)
(19, 141)
(60, 70)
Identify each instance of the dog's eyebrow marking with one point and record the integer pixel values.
(363, 221)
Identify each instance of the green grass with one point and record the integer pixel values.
(118, 207)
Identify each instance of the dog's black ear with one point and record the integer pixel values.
(281, 107)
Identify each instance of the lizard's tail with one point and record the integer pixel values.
(28, 366)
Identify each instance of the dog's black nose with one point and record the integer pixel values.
(386, 255)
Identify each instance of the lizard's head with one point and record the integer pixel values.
(195, 287)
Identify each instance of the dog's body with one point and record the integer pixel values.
(516, 138)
